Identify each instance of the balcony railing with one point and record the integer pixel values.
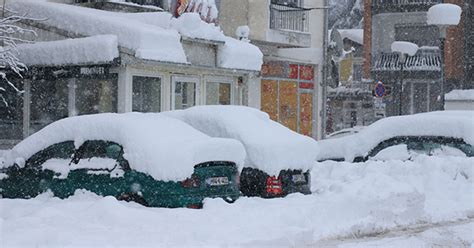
(384, 6)
(285, 17)
(424, 60)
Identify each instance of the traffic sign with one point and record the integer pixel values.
(380, 90)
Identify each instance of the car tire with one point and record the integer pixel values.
(132, 197)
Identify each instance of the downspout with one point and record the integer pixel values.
(324, 82)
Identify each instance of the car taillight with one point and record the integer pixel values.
(192, 182)
(194, 206)
(274, 185)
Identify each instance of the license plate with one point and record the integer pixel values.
(299, 178)
(217, 181)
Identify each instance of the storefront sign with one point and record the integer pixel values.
(273, 69)
(92, 70)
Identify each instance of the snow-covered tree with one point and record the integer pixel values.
(11, 34)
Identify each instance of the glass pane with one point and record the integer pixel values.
(420, 98)
(44, 108)
(184, 95)
(146, 94)
(218, 93)
(11, 112)
(96, 96)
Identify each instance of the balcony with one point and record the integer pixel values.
(424, 60)
(389, 6)
(289, 17)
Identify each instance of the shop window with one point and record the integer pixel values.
(218, 93)
(49, 102)
(11, 112)
(96, 96)
(185, 93)
(146, 94)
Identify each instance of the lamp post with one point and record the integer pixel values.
(443, 15)
(404, 49)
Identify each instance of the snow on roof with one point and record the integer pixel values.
(270, 146)
(240, 55)
(460, 95)
(95, 49)
(405, 47)
(163, 147)
(147, 41)
(124, 2)
(152, 36)
(191, 25)
(356, 35)
(444, 14)
(456, 124)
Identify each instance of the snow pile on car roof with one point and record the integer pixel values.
(270, 146)
(164, 148)
(94, 49)
(455, 124)
(152, 36)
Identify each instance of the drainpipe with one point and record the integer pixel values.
(324, 82)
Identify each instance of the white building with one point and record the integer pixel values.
(88, 61)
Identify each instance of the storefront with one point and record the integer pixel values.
(287, 94)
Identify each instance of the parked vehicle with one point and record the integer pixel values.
(278, 159)
(345, 132)
(153, 160)
(405, 137)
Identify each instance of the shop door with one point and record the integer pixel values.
(184, 92)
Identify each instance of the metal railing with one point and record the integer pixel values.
(424, 60)
(284, 17)
(382, 6)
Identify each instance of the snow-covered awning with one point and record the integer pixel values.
(424, 60)
(100, 49)
(151, 36)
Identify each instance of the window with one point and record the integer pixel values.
(49, 102)
(420, 34)
(146, 94)
(96, 96)
(63, 150)
(185, 92)
(218, 93)
(11, 112)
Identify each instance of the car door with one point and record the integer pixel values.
(97, 166)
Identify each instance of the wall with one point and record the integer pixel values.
(459, 105)
(383, 28)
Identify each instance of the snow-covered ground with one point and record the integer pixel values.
(348, 201)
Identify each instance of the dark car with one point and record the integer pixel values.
(405, 137)
(278, 159)
(101, 166)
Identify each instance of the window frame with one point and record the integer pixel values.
(219, 80)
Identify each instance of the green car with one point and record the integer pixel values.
(100, 166)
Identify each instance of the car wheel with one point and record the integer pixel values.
(128, 197)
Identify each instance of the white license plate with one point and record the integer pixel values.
(299, 178)
(217, 181)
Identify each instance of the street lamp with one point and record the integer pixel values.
(403, 48)
(443, 15)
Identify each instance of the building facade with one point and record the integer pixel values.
(290, 35)
(423, 88)
(72, 73)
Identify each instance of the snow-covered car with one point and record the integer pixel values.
(278, 160)
(154, 160)
(404, 137)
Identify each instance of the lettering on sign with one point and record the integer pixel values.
(92, 70)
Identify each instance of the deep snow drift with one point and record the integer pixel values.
(348, 201)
